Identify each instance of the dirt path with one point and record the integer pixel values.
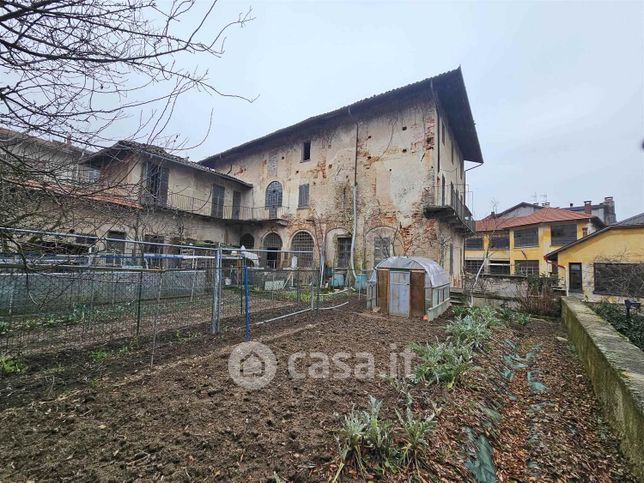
(188, 421)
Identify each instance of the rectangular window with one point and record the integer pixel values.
(563, 234)
(526, 267)
(303, 196)
(236, 205)
(528, 237)
(500, 241)
(88, 174)
(115, 248)
(343, 254)
(381, 249)
(474, 243)
(499, 267)
(625, 279)
(85, 239)
(473, 266)
(155, 179)
(442, 132)
(218, 193)
(306, 151)
(152, 253)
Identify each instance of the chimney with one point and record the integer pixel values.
(571, 205)
(545, 204)
(492, 215)
(588, 207)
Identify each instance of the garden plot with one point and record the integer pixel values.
(86, 325)
(520, 409)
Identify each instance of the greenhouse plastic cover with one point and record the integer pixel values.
(435, 275)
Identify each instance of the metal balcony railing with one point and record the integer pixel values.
(190, 204)
(446, 204)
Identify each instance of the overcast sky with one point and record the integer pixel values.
(556, 89)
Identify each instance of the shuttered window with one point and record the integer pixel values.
(218, 193)
(303, 198)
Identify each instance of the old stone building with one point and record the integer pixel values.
(385, 175)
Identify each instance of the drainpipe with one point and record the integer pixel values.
(355, 199)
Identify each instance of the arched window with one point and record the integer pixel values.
(303, 241)
(272, 243)
(274, 194)
(247, 241)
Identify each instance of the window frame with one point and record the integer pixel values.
(306, 151)
(303, 201)
(561, 240)
(529, 269)
(501, 236)
(630, 277)
(218, 194)
(474, 238)
(528, 244)
(339, 255)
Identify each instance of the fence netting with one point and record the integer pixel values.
(53, 307)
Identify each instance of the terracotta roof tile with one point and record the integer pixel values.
(544, 215)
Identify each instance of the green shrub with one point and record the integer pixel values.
(414, 435)
(469, 331)
(632, 327)
(443, 362)
(364, 437)
(11, 365)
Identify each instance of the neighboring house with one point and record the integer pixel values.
(605, 210)
(178, 201)
(517, 245)
(607, 264)
(385, 175)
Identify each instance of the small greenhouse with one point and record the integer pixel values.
(409, 287)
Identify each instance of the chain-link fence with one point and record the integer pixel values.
(52, 302)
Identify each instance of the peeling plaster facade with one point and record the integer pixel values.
(393, 153)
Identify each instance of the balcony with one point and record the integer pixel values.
(448, 207)
(196, 206)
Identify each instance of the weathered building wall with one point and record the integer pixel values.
(617, 245)
(393, 153)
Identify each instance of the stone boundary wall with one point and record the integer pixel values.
(616, 369)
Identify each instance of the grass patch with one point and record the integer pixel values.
(98, 356)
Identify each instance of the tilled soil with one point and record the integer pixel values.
(186, 419)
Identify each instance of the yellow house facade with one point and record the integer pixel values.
(518, 245)
(607, 265)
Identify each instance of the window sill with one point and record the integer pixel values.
(303, 207)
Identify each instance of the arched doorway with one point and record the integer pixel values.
(303, 241)
(273, 245)
(247, 241)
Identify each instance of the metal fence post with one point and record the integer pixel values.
(156, 317)
(247, 314)
(216, 294)
(138, 304)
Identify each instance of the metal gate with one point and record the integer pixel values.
(399, 293)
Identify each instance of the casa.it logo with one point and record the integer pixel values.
(252, 365)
